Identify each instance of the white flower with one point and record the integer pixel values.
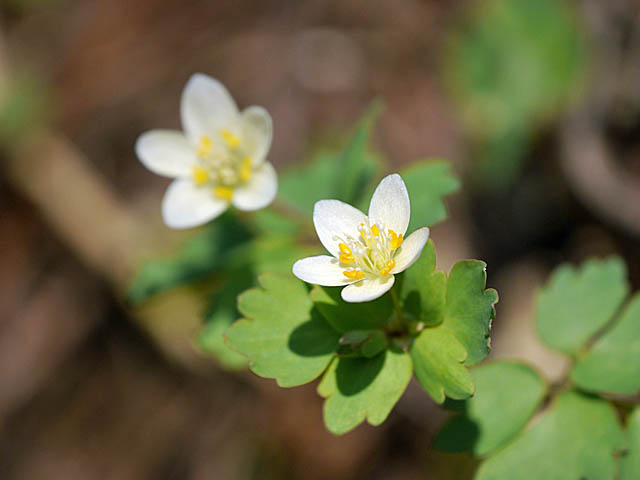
(217, 161)
(367, 251)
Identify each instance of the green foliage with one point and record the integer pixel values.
(579, 302)
(423, 289)
(630, 463)
(345, 317)
(281, 334)
(511, 68)
(359, 389)
(613, 363)
(428, 182)
(204, 254)
(470, 308)
(578, 438)
(438, 362)
(343, 175)
(507, 395)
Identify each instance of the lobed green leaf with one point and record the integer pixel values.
(359, 389)
(470, 308)
(281, 334)
(577, 303)
(630, 462)
(613, 363)
(506, 397)
(578, 438)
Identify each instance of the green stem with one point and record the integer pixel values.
(396, 321)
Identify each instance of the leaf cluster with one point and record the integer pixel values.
(584, 313)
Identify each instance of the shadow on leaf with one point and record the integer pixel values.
(313, 338)
(355, 374)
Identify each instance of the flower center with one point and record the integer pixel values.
(222, 165)
(371, 253)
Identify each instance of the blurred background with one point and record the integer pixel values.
(536, 102)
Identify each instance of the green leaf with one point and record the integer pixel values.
(340, 175)
(630, 463)
(428, 182)
(354, 169)
(579, 302)
(577, 439)
(375, 344)
(423, 289)
(200, 257)
(613, 363)
(220, 315)
(359, 389)
(470, 308)
(507, 395)
(345, 316)
(438, 363)
(283, 337)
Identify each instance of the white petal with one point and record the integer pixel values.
(333, 217)
(206, 107)
(367, 289)
(257, 132)
(321, 270)
(166, 153)
(390, 204)
(259, 191)
(410, 249)
(185, 205)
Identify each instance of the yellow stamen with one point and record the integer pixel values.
(206, 144)
(374, 230)
(245, 170)
(353, 274)
(346, 255)
(225, 193)
(396, 240)
(229, 138)
(199, 175)
(385, 271)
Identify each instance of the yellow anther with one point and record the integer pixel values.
(206, 145)
(346, 255)
(353, 274)
(396, 240)
(346, 258)
(229, 138)
(224, 193)
(374, 230)
(245, 169)
(390, 265)
(199, 175)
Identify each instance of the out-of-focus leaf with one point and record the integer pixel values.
(345, 316)
(578, 438)
(203, 255)
(438, 363)
(507, 395)
(221, 313)
(423, 289)
(343, 176)
(359, 389)
(613, 363)
(579, 302)
(281, 334)
(428, 182)
(470, 308)
(630, 462)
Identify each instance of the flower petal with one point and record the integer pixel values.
(333, 217)
(259, 191)
(257, 132)
(390, 204)
(410, 250)
(206, 107)
(367, 289)
(321, 270)
(166, 153)
(185, 205)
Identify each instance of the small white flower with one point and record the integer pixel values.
(219, 160)
(367, 250)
